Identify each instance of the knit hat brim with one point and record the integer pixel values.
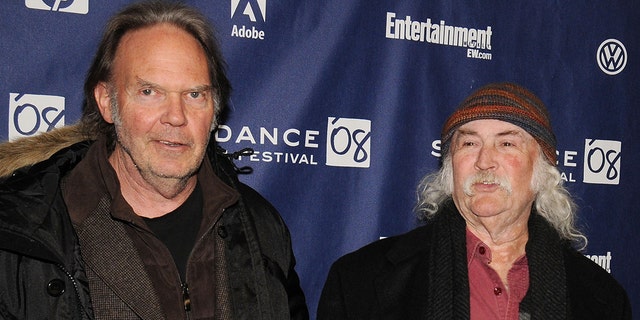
(507, 102)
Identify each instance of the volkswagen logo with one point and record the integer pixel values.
(611, 56)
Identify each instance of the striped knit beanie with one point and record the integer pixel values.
(507, 102)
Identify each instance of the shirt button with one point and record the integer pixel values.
(497, 291)
(482, 250)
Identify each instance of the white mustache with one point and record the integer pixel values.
(485, 177)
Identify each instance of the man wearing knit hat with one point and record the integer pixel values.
(500, 239)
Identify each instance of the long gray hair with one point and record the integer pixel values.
(137, 16)
(553, 201)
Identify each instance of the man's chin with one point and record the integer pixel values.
(486, 205)
(173, 172)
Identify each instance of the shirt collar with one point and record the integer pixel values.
(476, 248)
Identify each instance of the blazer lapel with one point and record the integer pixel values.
(109, 253)
(426, 275)
(402, 289)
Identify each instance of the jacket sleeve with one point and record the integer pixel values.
(276, 250)
(593, 292)
(297, 303)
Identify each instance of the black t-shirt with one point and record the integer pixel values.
(178, 229)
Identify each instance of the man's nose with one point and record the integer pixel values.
(174, 110)
(486, 159)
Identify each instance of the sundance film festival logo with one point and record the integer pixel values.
(70, 6)
(348, 142)
(32, 113)
(602, 161)
(248, 8)
(611, 56)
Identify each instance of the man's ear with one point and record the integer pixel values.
(103, 98)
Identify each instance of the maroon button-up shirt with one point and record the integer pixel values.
(490, 298)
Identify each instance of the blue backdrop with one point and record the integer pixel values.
(343, 102)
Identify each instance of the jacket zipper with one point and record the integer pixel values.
(75, 289)
(186, 300)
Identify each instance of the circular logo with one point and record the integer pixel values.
(611, 56)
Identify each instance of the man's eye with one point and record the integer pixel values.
(146, 92)
(195, 95)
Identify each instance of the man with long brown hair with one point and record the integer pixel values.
(133, 212)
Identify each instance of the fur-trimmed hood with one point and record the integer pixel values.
(28, 151)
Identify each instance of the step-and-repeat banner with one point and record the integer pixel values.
(343, 102)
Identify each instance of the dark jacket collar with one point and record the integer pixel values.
(26, 201)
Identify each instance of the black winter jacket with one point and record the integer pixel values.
(42, 274)
(423, 275)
